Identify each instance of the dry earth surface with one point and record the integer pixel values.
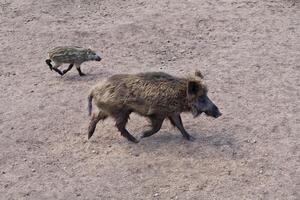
(249, 51)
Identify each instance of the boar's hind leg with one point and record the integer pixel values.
(176, 121)
(69, 68)
(121, 121)
(95, 119)
(48, 61)
(58, 71)
(156, 123)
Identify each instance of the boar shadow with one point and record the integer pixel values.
(215, 143)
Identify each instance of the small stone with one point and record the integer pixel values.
(93, 151)
(11, 128)
(3, 172)
(25, 159)
(156, 195)
(31, 91)
(78, 194)
(33, 170)
(261, 171)
(109, 146)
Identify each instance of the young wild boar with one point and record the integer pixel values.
(155, 95)
(73, 55)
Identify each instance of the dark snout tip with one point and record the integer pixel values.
(218, 115)
(98, 59)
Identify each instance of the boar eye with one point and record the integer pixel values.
(202, 99)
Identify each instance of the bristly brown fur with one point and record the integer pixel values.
(145, 93)
(156, 95)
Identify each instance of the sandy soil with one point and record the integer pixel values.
(249, 51)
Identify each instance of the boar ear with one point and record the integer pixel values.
(192, 87)
(198, 73)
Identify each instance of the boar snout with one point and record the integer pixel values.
(208, 107)
(98, 58)
(214, 112)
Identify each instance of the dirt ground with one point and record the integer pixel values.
(249, 51)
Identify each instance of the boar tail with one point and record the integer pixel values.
(90, 99)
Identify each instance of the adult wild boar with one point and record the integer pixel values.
(155, 95)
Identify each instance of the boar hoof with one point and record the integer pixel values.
(133, 139)
(190, 138)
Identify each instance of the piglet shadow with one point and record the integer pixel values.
(88, 77)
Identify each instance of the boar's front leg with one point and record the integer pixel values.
(156, 122)
(176, 121)
(121, 121)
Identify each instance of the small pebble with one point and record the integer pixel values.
(156, 195)
(33, 170)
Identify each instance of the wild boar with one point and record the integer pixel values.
(73, 55)
(155, 95)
